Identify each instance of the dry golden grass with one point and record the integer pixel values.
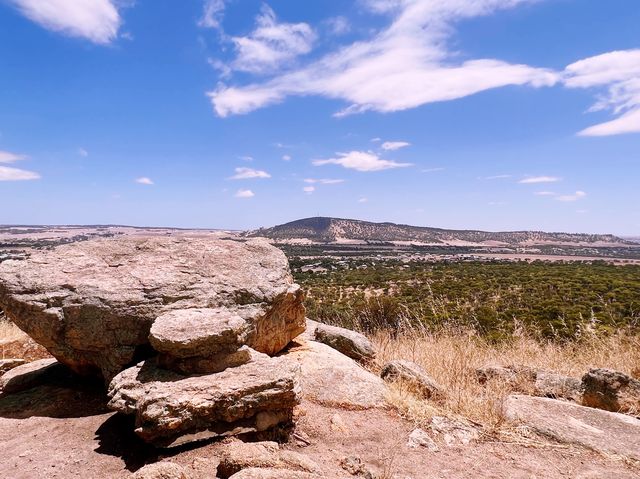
(451, 358)
(9, 331)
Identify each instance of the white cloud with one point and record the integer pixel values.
(361, 161)
(363, 200)
(619, 73)
(338, 25)
(431, 170)
(286, 157)
(82, 152)
(323, 181)
(545, 193)
(405, 65)
(246, 158)
(8, 157)
(212, 14)
(309, 189)
(578, 195)
(249, 173)
(271, 44)
(244, 194)
(143, 180)
(8, 173)
(95, 20)
(394, 145)
(539, 179)
(376, 140)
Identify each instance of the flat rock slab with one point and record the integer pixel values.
(172, 409)
(29, 375)
(331, 378)
(570, 423)
(92, 303)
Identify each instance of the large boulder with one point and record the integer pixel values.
(172, 409)
(413, 377)
(602, 431)
(330, 378)
(29, 375)
(611, 390)
(92, 304)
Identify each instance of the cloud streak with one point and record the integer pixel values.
(361, 161)
(539, 179)
(8, 173)
(244, 173)
(95, 20)
(405, 65)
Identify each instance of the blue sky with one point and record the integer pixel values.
(487, 114)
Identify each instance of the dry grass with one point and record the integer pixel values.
(9, 331)
(451, 358)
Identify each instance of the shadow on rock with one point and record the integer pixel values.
(52, 391)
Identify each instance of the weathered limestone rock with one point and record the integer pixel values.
(413, 376)
(351, 344)
(92, 303)
(10, 363)
(28, 375)
(161, 470)
(420, 438)
(172, 409)
(557, 386)
(239, 455)
(570, 423)
(453, 432)
(332, 379)
(611, 390)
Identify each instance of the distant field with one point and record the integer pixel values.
(495, 299)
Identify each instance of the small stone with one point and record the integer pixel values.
(351, 344)
(611, 390)
(454, 433)
(338, 424)
(28, 375)
(161, 470)
(414, 377)
(354, 466)
(419, 438)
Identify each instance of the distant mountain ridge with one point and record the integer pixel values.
(331, 230)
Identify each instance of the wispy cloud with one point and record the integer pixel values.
(271, 44)
(143, 180)
(338, 25)
(431, 170)
(246, 158)
(8, 157)
(578, 195)
(83, 152)
(212, 14)
(244, 194)
(619, 73)
(363, 200)
(249, 173)
(323, 181)
(8, 173)
(94, 20)
(394, 145)
(545, 193)
(402, 66)
(539, 179)
(286, 157)
(361, 161)
(309, 189)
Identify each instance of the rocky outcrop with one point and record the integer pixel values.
(92, 304)
(238, 455)
(570, 423)
(332, 379)
(413, 377)
(611, 390)
(351, 344)
(172, 409)
(10, 363)
(268, 473)
(161, 470)
(557, 386)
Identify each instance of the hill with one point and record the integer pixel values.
(338, 230)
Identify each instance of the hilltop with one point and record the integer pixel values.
(339, 230)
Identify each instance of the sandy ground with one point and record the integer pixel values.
(62, 430)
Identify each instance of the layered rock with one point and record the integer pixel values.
(171, 408)
(92, 304)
